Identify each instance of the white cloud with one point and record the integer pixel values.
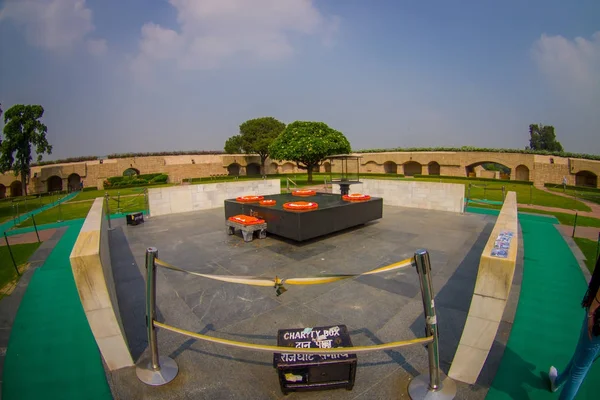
(96, 47)
(53, 24)
(572, 66)
(211, 32)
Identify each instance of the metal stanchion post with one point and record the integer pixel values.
(435, 385)
(11, 254)
(110, 228)
(59, 211)
(158, 370)
(468, 193)
(147, 201)
(35, 227)
(530, 194)
(118, 202)
(574, 225)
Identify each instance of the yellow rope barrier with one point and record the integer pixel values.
(291, 350)
(278, 282)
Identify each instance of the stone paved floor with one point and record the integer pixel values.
(376, 309)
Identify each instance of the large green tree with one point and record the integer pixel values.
(308, 144)
(256, 135)
(22, 130)
(542, 137)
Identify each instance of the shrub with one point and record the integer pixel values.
(149, 177)
(161, 178)
(90, 188)
(165, 153)
(115, 182)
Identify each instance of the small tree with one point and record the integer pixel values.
(255, 137)
(543, 138)
(23, 129)
(233, 145)
(308, 144)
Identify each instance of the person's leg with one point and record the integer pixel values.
(582, 359)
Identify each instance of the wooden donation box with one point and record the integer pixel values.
(299, 372)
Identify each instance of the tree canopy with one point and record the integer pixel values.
(256, 135)
(22, 130)
(308, 144)
(543, 138)
(233, 145)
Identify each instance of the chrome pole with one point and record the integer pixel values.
(435, 385)
(157, 370)
(110, 228)
(151, 254)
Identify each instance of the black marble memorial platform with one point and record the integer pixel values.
(301, 372)
(333, 214)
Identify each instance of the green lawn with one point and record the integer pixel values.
(9, 206)
(66, 211)
(589, 249)
(78, 208)
(526, 194)
(589, 196)
(21, 252)
(566, 219)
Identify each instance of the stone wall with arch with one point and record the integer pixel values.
(16, 189)
(522, 173)
(288, 168)
(586, 178)
(433, 168)
(54, 184)
(390, 167)
(412, 168)
(253, 169)
(542, 169)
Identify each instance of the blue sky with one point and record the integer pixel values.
(160, 75)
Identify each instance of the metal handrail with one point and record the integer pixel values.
(288, 184)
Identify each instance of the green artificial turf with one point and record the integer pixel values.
(566, 219)
(548, 318)
(52, 353)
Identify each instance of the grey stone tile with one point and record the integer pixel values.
(376, 309)
(359, 305)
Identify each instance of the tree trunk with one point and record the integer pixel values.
(309, 169)
(24, 183)
(263, 172)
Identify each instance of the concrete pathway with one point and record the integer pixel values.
(586, 232)
(376, 309)
(29, 237)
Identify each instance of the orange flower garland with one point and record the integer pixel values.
(249, 199)
(304, 193)
(301, 206)
(267, 202)
(246, 220)
(356, 197)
